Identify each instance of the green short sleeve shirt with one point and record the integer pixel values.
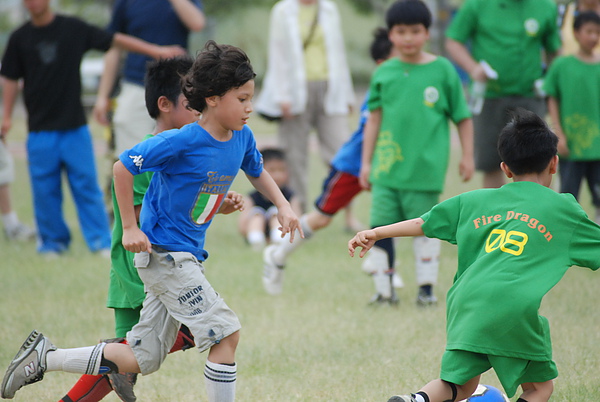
(417, 102)
(126, 289)
(514, 244)
(576, 86)
(509, 35)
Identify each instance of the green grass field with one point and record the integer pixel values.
(318, 341)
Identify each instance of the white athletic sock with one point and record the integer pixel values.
(256, 239)
(285, 248)
(10, 220)
(78, 360)
(220, 381)
(419, 398)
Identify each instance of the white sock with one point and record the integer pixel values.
(256, 239)
(220, 381)
(285, 248)
(419, 398)
(10, 220)
(78, 360)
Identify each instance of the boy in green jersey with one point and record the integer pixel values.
(572, 84)
(406, 144)
(514, 244)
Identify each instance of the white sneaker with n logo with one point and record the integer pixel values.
(28, 366)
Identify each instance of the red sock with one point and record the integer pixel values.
(89, 388)
(185, 340)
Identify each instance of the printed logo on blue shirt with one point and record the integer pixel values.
(137, 161)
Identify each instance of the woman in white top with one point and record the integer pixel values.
(307, 83)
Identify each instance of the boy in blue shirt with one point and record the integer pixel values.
(194, 169)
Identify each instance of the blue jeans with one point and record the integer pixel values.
(50, 153)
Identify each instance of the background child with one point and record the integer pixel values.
(339, 188)
(168, 107)
(258, 221)
(198, 164)
(407, 142)
(572, 84)
(514, 244)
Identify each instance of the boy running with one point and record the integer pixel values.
(194, 169)
(514, 244)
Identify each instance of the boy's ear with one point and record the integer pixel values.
(212, 101)
(506, 170)
(164, 104)
(553, 164)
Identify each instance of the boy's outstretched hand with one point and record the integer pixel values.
(289, 222)
(364, 239)
(234, 201)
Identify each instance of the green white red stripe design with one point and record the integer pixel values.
(206, 207)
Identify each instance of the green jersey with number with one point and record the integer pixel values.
(514, 244)
(417, 101)
(509, 35)
(576, 86)
(126, 289)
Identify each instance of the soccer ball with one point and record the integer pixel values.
(487, 393)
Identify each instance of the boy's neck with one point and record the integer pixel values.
(588, 56)
(544, 178)
(422, 57)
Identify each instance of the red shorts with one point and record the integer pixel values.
(339, 188)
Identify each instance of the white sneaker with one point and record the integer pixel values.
(273, 273)
(21, 232)
(28, 366)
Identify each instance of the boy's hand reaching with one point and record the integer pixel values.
(233, 202)
(364, 239)
(289, 222)
(136, 241)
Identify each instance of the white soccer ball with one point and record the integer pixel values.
(487, 393)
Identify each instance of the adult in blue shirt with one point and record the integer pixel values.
(160, 22)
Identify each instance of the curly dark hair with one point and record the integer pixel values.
(216, 70)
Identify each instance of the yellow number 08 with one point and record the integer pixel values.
(499, 238)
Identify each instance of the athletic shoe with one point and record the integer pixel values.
(402, 398)
(273, 273)
(123, 384)
(378, 299)
(28, 366)
(21, 232)
(425, 300)
(397, 281)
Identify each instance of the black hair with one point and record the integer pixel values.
(585, 17)
(163, 78)
(381, 46)
(408, 12)
(270, 154)
(526, 144)
(216, 70)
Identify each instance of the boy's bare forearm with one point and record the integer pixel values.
(409, 228)
(123, 184)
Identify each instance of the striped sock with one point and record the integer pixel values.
(220, 381)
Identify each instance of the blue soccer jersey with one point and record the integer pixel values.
(194, 171)
(348, 158)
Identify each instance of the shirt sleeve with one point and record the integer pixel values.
(458, 103)
(252, 163)
(552, 41)
(463, 24)
(585, 245)
(551, 79)
(441, 222)
(12, 64)
(152, 155)
(96, 38)
(118, 21)
(374, 95)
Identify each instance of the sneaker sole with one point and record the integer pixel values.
(26, 349)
